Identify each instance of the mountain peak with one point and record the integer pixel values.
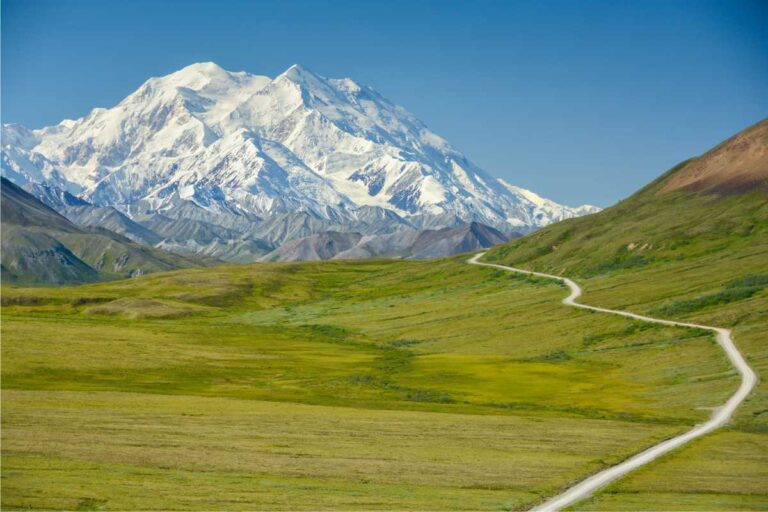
(297, 68)
(194, 76)
(201, 67)
(313, 143)
(301, 75)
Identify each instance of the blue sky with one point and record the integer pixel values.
(580, 101)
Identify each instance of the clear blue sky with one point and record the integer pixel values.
(581, 101)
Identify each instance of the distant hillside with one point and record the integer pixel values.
(408, 243)
(716, 203)
(111, 219)
(40, 246)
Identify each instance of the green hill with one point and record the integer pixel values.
(675, 218)
(692, 245)
(39, 246)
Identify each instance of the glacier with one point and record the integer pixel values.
(237, 148)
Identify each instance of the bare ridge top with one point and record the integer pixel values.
(737, 165)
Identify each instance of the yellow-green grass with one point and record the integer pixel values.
(727, 470)
(122, 449)
(702, 259)
(370, 384)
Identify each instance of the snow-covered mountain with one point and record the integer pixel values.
(235, 144)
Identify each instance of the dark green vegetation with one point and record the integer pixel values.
(688, 253)
(735, 290)
(40, 246)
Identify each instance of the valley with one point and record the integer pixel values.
(373, 350)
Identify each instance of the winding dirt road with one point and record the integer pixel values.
(720, 416)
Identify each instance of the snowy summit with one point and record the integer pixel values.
(245, 144)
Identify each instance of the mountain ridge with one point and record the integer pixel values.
(405, 243)
(735, 165)
(240, 143)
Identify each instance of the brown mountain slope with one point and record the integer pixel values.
(736, 165)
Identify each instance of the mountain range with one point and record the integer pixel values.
(234, 165)
(407, 243)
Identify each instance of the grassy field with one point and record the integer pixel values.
(728, 470)
(336, 385)
(133, 451)
(687, 257)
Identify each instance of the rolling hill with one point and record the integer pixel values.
(43, 247)
(705, 206)
(690, 246)
(333, 385)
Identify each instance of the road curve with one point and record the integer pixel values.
(720, 416)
